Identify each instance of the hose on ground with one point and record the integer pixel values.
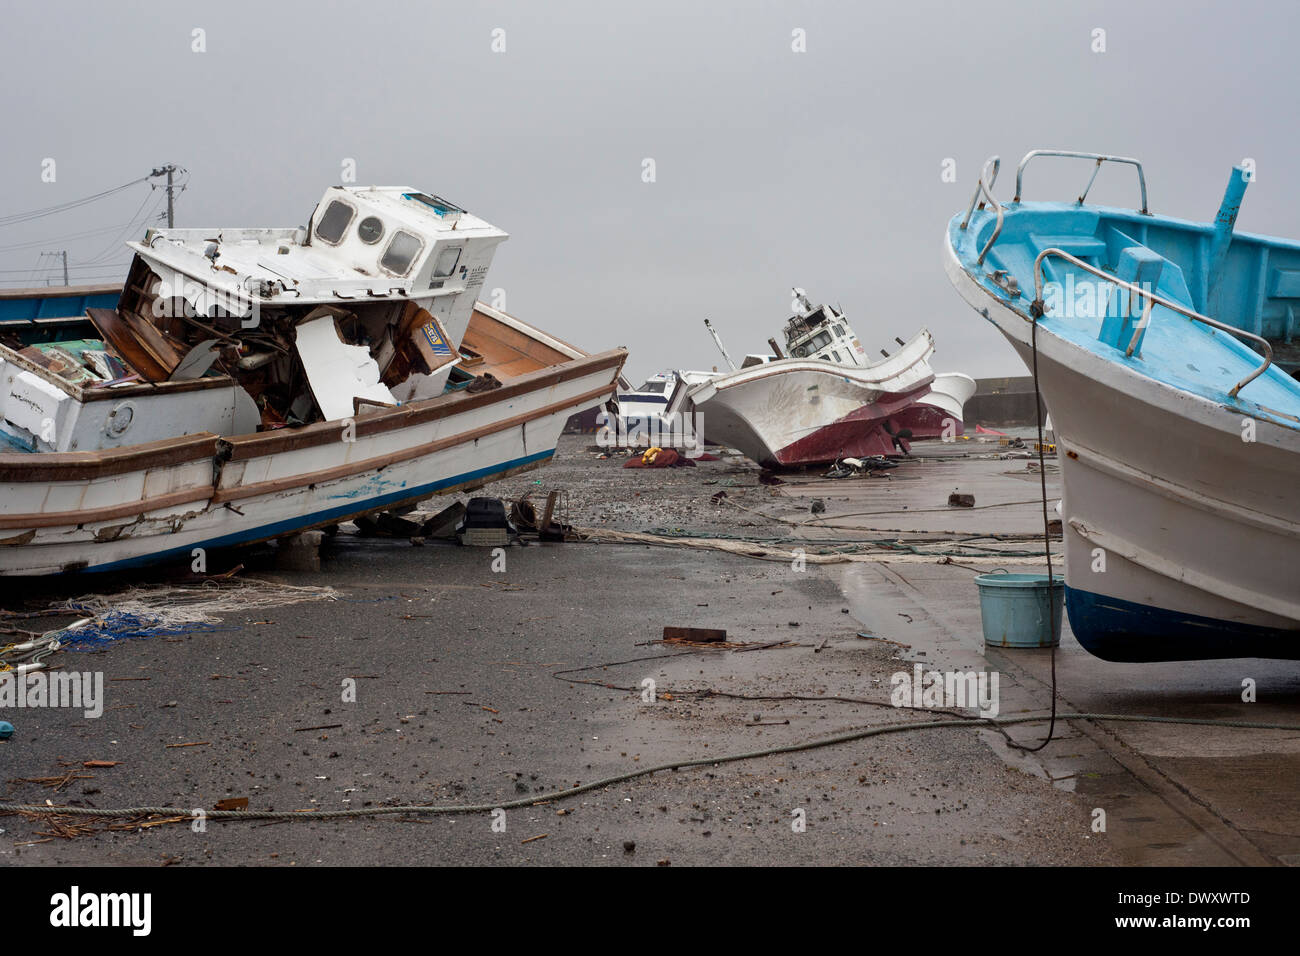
(426, 810)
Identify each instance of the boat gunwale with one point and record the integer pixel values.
(213, 495)
(1238, 404)
(60, 292)
(387, 419)
(64, 466)
(853, 373)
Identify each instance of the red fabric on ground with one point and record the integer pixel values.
(667, 458)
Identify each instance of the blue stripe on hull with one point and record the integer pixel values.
(1117, 630)
(299, 522)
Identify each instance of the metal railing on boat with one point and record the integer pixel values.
(1150, 300)
(985, 188)
(981, 187)
(1098, 158)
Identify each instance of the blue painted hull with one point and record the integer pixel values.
(329, 516)
(1122, 631)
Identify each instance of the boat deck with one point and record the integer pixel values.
(490, 345)
(1164, 254)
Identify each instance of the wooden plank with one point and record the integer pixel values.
(113, 326)
(695, 635)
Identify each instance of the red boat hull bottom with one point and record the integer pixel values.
(868, 431)
(929, 421)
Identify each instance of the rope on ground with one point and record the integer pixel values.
(715, 760)
(200, 604)
(896, 552)
(914, 511)
(817, 521)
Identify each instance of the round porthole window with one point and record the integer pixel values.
(119, 420)
(370, 230)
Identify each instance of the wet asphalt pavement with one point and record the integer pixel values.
(467, 692)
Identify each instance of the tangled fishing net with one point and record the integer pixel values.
(168, 610)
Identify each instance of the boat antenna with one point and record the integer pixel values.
(718, 341)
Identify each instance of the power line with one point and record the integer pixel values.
(21, 217)
(136, 221)
(89, 233)
(100, 264)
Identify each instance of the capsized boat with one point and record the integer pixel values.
(825, 399)
(1153, 339)
(246, 384)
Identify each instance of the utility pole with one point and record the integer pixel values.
(64, 254)
(170, 171)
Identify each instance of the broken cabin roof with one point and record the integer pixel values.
(362, 242)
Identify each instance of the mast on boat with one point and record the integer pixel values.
(718, 341)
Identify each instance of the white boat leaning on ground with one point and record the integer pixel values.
(1179, 445)
(796, 411)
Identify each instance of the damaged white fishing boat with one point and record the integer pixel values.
(254, 383)
(825, 399)
(1153, 339)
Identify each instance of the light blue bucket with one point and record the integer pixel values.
(1015, 611)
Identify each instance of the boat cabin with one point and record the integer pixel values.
(822, 332)
(236, 330)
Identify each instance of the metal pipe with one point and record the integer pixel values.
(980, 187)
(1222, 239)
(1098, 157)
(718, 341)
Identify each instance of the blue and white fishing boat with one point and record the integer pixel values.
(1154, 341)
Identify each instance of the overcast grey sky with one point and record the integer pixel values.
(773, 167)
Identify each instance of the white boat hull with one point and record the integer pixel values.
(205, 493)
(1182, 539)
(797, 411)
(949, 393)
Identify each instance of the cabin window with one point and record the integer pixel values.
(401, 252)
(334, 223)
(370, 230)
(446, 263)
(835, 355)
(821, 340)
(839, 331)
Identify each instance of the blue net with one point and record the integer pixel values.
(114, 626)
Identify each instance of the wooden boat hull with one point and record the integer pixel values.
(159, 502)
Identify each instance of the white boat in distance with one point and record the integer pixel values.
(253, 383)
(826, 400)
(1179, 439)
